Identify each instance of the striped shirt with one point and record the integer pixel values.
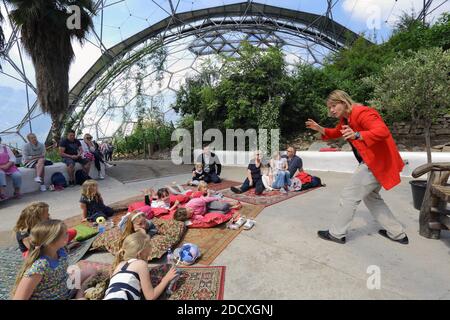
(124, 285)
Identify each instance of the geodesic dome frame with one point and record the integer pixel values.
(109, 89)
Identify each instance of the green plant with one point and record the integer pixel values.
(415, 88)
(53, 155)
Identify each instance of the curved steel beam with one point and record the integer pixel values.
(318, 29)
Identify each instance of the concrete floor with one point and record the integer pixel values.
(282, 258)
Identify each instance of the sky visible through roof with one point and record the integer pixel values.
(122, 19)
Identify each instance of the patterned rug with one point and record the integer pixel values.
(266, 199)
(11, 261)
(195, 283)
(213, 241)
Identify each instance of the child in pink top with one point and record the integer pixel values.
(198, 205)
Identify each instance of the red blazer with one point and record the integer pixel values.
(377, 147)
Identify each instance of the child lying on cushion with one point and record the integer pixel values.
(131, 277)
(136, 221)
(156, 203)
(196, 208)
(31, 216)
(202, 191)
(44, 274)
(91, 202)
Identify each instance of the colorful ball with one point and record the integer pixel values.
(100, 220)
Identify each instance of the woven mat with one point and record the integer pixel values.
(195, 283)
(212, 241)
(266, 199)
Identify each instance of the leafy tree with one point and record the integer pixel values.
(415, 88)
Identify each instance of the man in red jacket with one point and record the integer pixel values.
(380, 165)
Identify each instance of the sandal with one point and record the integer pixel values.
(240, 222)
(249, 224)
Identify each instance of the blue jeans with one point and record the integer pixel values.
(16, 178)
(282, 179)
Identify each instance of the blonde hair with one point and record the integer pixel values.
(87, 190)
(198, 165)
(131, 247)
(202, 186)
(30, 216)
(129, 226)
(339, 96)
(42, 235)
(181, 214)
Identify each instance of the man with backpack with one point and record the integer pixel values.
(71, 152)
(379, 166)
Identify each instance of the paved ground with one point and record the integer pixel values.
(282, 258)
(141, 170)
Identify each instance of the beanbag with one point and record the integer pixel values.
(169, 234)
(211, 219)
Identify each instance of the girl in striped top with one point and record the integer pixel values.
(131, 276)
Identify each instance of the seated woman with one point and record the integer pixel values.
(33, 156)
(8, 169)
(91, 152)
(280, 171)
(254, 177)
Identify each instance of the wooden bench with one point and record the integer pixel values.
(434, 215)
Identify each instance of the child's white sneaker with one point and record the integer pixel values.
(43, 188)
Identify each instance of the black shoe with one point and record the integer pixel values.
(325, 235)
(403, 240)
(236, 190)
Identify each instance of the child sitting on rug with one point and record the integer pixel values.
(196, 208)
(198, 175)
(31, 216)
(267, 178)
(91, 202)
(131, 278)
(44, 274)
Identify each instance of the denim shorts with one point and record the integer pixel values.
(69, 161)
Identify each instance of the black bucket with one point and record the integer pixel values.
(418, 188)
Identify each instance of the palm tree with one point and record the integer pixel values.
(47, 39)
(2, 36)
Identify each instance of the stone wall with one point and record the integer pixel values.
(408, 134)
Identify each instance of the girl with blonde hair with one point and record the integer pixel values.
(43, 275)
(29, 217)
(136, 221)
(131, 277)
(91, 202)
